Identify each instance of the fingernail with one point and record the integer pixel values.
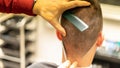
(75, 63)
(67, 63)
(88, 3)
(63, 32)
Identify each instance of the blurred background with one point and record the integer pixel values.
(26, 39)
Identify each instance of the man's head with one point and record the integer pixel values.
(77, 43)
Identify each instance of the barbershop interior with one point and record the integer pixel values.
(25, 39)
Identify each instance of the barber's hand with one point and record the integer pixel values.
(51, 10)
(68, 64)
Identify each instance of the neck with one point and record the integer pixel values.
(85, 61)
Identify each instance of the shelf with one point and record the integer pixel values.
(111, 12)
(111, 2)
(107, 58)
(10, 58)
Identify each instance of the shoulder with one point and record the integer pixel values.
(43, 65)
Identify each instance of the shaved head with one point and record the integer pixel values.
(77, 41)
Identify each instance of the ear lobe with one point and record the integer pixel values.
(100, 39)
(59, 35)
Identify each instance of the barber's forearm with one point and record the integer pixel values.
(17, 6)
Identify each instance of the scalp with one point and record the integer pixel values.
(83, 41)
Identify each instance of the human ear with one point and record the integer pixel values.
(59, 35)
(100, 39)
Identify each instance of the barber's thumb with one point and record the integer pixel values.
(61, 30)
(58, 27)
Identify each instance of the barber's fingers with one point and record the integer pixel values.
(68, 64)
(76, 3)
(53, 19)
(65, 64)
(74, 65)
(58, 27)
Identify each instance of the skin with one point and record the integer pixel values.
(82, 61)
(51, 10)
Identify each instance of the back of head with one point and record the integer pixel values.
(79, 41)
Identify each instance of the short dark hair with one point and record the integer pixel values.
(92, 16)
